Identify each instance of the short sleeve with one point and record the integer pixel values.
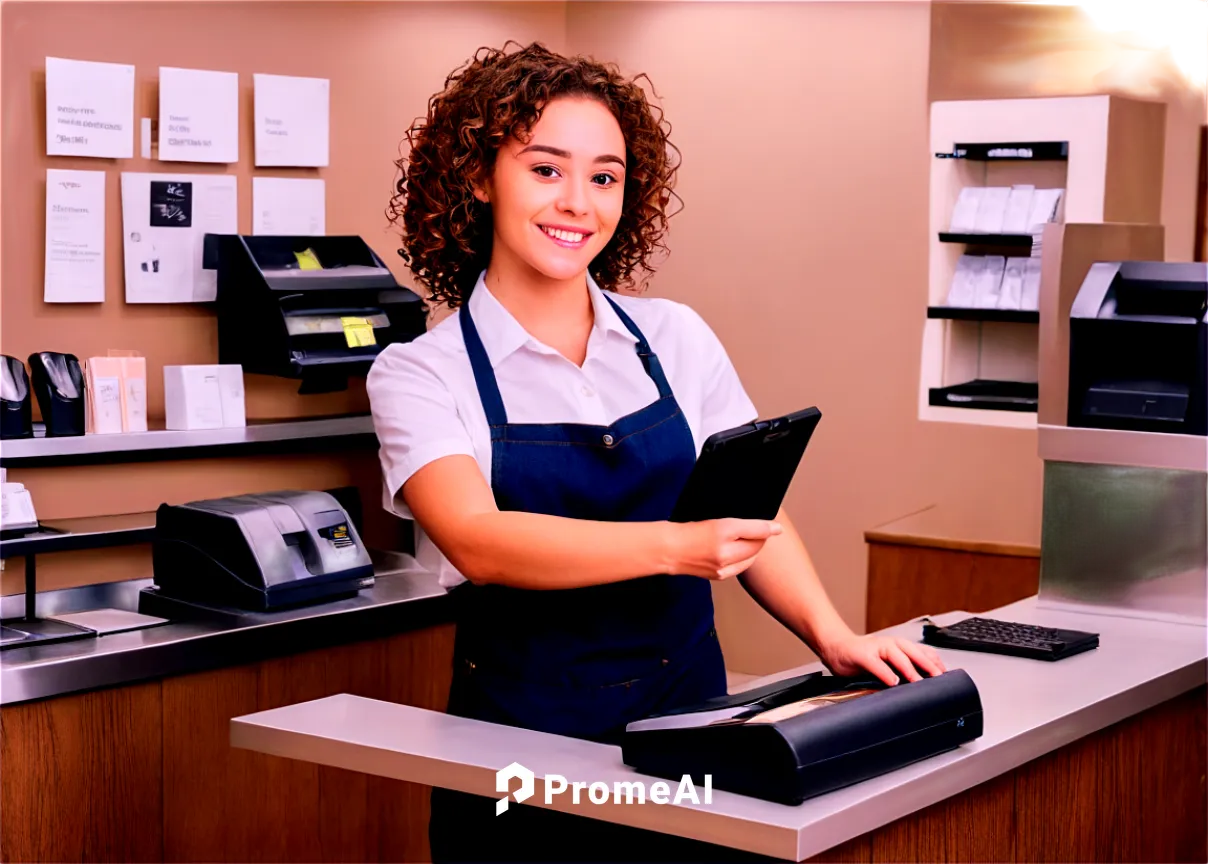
(724, 402)
(414, 416)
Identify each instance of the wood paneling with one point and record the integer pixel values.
(82, 778)
(224, 804)
(905, 582)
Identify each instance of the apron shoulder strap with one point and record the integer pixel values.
(484, 375)
(649, 359)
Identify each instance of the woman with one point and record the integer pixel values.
(540, 435)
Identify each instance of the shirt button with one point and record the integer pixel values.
(587, 391)
(608, 440)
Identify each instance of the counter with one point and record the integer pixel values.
(1032, 708)
(401, 598)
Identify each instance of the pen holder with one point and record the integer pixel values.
(59, 385)
(16, 401)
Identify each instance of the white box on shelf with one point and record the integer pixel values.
(230, 382)
(1031, 286)
(1046, 207)
(192, 397)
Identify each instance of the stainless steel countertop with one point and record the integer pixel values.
(1030, 708)
(41, 671)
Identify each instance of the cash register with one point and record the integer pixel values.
(804, 736)
(1139, 348)
(254, 554)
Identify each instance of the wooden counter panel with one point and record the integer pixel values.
(224, 804)
(905, 582)
(83, 777)
(1132, 792)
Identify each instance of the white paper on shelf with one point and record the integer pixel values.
(992, 209)
(989, 282)
(1031, 285)
(964, 213)
(1046, 207)
(75, 237)
(165, 218)
(1011, 295)
(1019, 206)
(289, 206)
(292, 119)
(89, 109)
(198, 115)
(964, 281)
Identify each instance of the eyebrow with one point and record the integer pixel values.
(563, 154)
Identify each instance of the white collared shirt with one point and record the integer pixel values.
(426, 405)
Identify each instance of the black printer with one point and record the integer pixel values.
(255, 552)
(1138, 334)
(808, 735)
(319, 309)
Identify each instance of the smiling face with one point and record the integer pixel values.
(556, 198)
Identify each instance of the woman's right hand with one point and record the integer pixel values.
(719, 548)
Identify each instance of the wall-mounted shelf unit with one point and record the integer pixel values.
(320, 434)
(981, 366)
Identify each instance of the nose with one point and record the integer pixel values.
(574, 197)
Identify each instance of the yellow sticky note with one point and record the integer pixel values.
(357, 332)
(308, 260)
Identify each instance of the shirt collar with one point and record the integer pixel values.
(502, 335)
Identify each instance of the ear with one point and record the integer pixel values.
(481, 194)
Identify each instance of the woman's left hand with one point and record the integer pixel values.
(881, 655)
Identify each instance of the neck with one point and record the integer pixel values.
(540, 304)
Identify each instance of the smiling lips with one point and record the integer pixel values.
(566, 238)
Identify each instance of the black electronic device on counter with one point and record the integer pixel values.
(258, 553)
(808, 735)
(1007, 637)
(745, 472)
(16, 399)
(58, 384)
(1139, 348)
(318, 309)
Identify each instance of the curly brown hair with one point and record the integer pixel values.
(446, 231)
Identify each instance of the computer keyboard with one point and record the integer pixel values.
(1006, 637)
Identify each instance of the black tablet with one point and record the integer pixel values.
(745, 472)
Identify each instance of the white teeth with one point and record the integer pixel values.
(568, 236)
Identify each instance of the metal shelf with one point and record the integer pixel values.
(1011, 316)
(320, 434)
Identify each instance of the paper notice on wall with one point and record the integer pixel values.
(89, 109)
(288, 206)
(75, 237)
(165, 218)
(291, 116)
(198, 115)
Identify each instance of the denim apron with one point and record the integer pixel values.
(584, 661)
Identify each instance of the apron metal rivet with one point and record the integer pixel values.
(608, 439)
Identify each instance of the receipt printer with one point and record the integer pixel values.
(317, 309)
(1138, 338)
(804, 736)
(258, 552)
